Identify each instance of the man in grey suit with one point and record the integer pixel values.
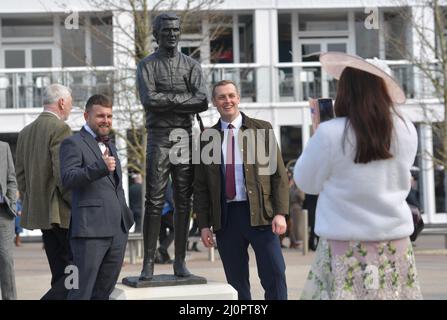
(8, 188)
(46, 203)
(100, 218)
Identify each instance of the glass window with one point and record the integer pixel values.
(308, 52)
(286, 82)
(291, 143)
(41, 58)
(339, 47)
(246, 38)
(29, 27)
(102, 41)
(323, 21)
(73, 46)
(284, 37)
(310, 77)
(15, 59)
(395, 36)
(221, 41)
(193, 52)
(191, 23)
(366, 40)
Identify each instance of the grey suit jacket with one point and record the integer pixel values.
(8, 183)
(98, 204)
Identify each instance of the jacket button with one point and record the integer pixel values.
(250, 192)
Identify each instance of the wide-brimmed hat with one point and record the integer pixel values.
(335, 62)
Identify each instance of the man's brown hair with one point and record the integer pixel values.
(99, 99)
(224, 83)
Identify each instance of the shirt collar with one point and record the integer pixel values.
(89, 130)
(237, 123)
(47, 111)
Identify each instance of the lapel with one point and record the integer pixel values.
(117, 173)
(216, 169)
(93, 145)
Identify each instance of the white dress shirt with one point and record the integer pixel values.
(241, 192)
(101, 145)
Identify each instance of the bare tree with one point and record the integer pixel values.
(138, 31)
(427, 54)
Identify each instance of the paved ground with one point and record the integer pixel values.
(33, 275)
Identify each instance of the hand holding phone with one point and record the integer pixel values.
(321, 110)
(314, 114)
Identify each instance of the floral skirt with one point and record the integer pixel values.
(351, 270)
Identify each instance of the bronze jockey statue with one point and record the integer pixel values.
(172, 89)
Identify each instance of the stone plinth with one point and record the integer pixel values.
(209, 291)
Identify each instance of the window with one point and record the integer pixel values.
(284, 37)
(323, 21)
(193, 52)
(395, 35)
(73, 46)
(221, 41)
(246, 38)
(291, 143)
(191, 23)
(366, 40)
(27, 27)
(15, 58)
(102, 41)
(41, 58)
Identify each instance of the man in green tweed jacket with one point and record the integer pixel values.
(46, 204)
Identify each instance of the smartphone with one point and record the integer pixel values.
(325, 109)
(321, 110)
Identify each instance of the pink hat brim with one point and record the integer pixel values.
(335, 62)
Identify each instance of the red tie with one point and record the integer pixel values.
(229, 166)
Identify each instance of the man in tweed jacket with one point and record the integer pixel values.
(46, 204)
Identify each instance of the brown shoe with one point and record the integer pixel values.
(17, 241)
(295, 245)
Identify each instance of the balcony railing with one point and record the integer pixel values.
(299, 81)
(243, 74)
(22, 88)
(283, 82)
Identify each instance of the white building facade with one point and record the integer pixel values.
(266, 46)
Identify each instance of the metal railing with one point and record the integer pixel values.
(283, 82)
(301, 80)
(22, 88)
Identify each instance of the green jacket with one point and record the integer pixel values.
(268, 194)
(45, 201)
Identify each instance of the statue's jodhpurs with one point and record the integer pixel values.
(159, 167)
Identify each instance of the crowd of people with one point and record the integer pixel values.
(353, 177)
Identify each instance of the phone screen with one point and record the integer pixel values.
(326, 109)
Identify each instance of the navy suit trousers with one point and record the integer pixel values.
(232, 242)
(99, 261)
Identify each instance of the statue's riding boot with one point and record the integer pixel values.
(181, 228)
(151, 229)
